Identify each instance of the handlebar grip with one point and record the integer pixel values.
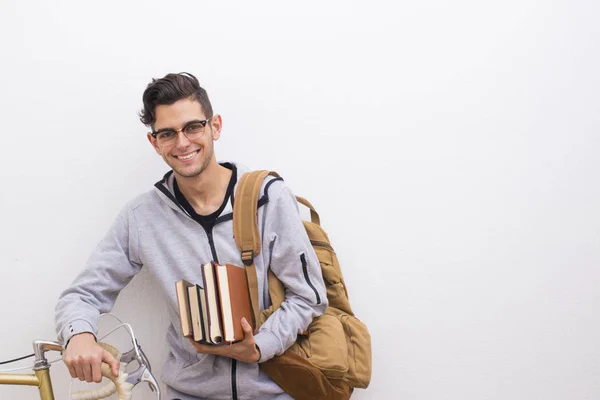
(117, 384)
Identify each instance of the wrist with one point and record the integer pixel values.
(82, 336)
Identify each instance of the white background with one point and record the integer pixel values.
(451, 148)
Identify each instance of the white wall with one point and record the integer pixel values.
(451, 147)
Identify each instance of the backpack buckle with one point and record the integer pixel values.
(248, 257)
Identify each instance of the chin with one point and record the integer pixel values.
(189, 173)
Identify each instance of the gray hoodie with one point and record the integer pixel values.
(154, 231)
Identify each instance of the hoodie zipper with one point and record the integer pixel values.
(211, 242)
(305, 270)
(213, 250)
(233, 379)
(161, 186)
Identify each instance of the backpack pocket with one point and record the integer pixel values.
(359, 351)
(336, 295)
(331, 269)
(332, 276)
(326, 336)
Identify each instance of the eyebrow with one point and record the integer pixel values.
(173, 129)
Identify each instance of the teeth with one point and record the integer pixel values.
(188, 156)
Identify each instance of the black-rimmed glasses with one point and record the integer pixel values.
(192, 130)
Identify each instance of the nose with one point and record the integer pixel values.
(182, 139)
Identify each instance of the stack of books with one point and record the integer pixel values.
(213, 314)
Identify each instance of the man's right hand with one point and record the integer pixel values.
(84, 357)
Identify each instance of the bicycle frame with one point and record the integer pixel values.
(41, 377)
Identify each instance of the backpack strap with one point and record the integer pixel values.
(314, 215)
(245, 229)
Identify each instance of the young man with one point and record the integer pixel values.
(182, 223)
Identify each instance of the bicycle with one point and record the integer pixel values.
(123, 384)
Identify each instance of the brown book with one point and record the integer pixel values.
(234, 300)
(184, 307)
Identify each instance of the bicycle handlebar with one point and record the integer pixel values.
(117, 384)
(124, 382)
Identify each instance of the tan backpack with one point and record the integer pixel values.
(333, 356)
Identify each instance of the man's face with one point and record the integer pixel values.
(187, 157)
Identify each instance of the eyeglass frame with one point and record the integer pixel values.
(182, 130)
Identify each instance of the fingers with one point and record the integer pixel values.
(89, 368)
(113, 362)
(206, 349)
(79, 372)
(245, 350)
(87, 372)
(253, 354)
(96, 373)
(69, 365)
(248, 335)
(72, 371)
(84, 360)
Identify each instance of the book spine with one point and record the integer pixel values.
(214, 318)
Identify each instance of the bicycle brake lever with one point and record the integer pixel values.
(152, 382)
(143, 372)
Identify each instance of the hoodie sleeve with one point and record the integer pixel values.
(294, 262)
(111, 266)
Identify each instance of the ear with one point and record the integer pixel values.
(217, 125)
(153, 143)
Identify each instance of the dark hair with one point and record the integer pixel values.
(168, 90)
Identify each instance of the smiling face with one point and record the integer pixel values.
(188, 158)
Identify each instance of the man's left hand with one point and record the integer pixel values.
(244, 351)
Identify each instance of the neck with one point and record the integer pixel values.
(206, 191)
